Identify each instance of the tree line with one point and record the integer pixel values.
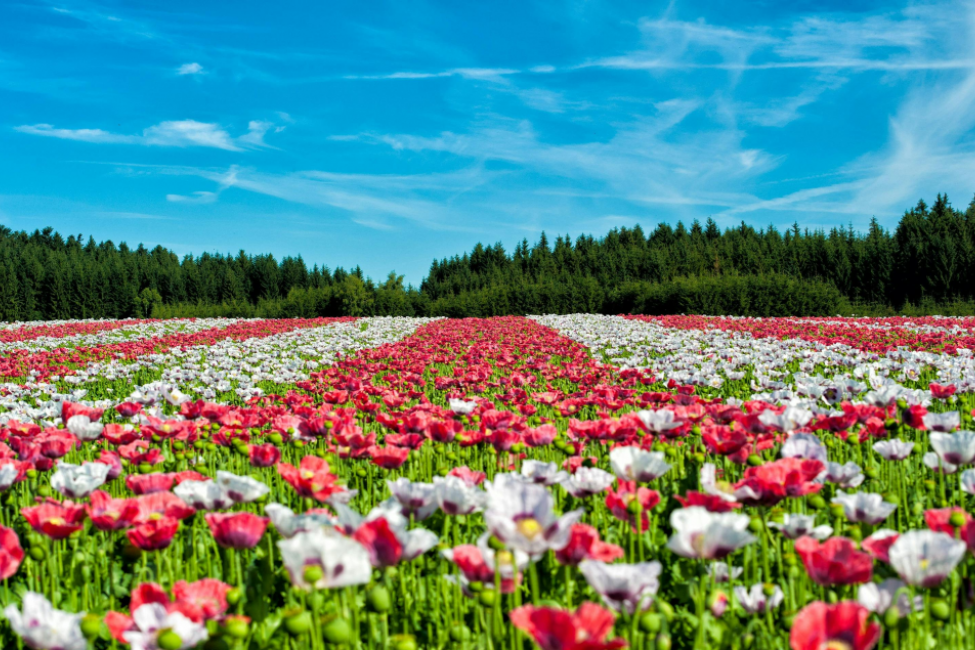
(926, 265)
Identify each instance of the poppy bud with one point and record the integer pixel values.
(44, 491)
(756, 525)
(891, 616)
(276, 438)
(634, 507)
(378, 599)
(650, 623)
(234, 596)
(872, 472)
(312, 573)
(37, 553)
(487, 597)
(236, 626)
(459, 632)
(495, 543)
(298, 622)
(91, 626)
(475, 587)
(940, 609)
(178, 445)
(957, 519)
(405, 642)
(337, 631)
(664, 642)
(755, 460)
(361, 472)
(665, 609)
(816, 502)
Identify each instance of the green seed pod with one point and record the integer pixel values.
(872, 472)
(378, 600)
(756, 525)
(312, 574)
(178, 445)
(891, 616)
(664, 642)
(459, 632)
(145, 468)
(495, 543)
(37, 553)
(44, 491)
(475, 587)
(169, 640)
(361, 472)
(650, 623)
(665, 609)
(237, 627)
(298, 622)
(91, 626)
(816, 502)
(957, 519)
(755, 460)
(634, 507)
(276, 438)
(405, 642)
(940, 609)
(337, 631)
(234, 596)
(487, 597)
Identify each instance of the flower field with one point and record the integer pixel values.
(565, 482)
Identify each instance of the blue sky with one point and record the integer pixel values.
(389, 133)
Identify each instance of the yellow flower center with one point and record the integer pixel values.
(530, 528)
(836, 644)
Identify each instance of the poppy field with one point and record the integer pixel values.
(562, 482)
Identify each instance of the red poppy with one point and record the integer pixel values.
(118, 434)
(264, 455)
(155, 534)
(149, 483)
(209, 595)
(787, 477)
(388, 457)
(834, 562)
(128, 409)
(107, 513)
(723, 440)
(878, 545)
(468, 475)
(378, 538)
(584, 544)
(11, 553)
(843, 625)
(618, 502)
(55, 520)
(189, 475)
(236, 530)
(311, 479)
(162, 504)
(709, 502)
(558, 629)
(942, 392)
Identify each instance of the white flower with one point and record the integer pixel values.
(795, 526)
(520, 515)
(804, 445)
(954, 448)
(175, 397)
(241, 489)
(879, 598)
(924, 558)
(845, 476)
(708, 535)
(635, 464)
(864, 507)
(968, 481)
(82, 427)
(460, 407)
(43, 627)
(754, 600)
(721, 489)
(505, 562)
(203, 495)
(8, 474)
(538, 471)
(792, 418)
(893, 449)
(420, 499)
(627, 587)
(288, 524)
(344, 561)
(722, 572)
(78, 481)
(659, 421)
(587, 481)
(151, 620)
(947, 421)
(936, 464)
(455, 497)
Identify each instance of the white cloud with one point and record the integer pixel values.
(191, 69)
(197, 198)
(172, 133)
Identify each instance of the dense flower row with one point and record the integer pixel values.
(60, 330)
(481, 483)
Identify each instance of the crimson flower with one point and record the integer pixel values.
(723, 440)
(208, 594)
(155, 534)
(584, 544)
(834, 562)
(619, 501)
(311, 479)
(236, 530)
(264, 455)
(149, 483)
(388, 457)
(843, 625)
(55, 520)
(468, 475)
(378, 538)
(558, 629)
(710, 502)
(768, 484)
(107, 513)
(878, 545)
(11, 553)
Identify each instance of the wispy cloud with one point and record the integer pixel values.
(190, 69)
(173, 133)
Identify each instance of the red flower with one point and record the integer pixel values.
(55, 520)
(118, 434)
(584, 544)
(723, 440)
(264, 455)
(107, 513)
(149, 483)
(709, 502)
(787, 477)
(189, 475)
(236, 530)
(834, 562)
(388, 457)
(209, 595)
(468, 475)
(162, 504)
(11, 554)
(939, 520)
(311, 478)
(844, 625)
(558, 629)
(154, 534)
(942, 392)
(914, 417)
(128, 409)
(383, 546)
(878, 545)
(619, 501)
